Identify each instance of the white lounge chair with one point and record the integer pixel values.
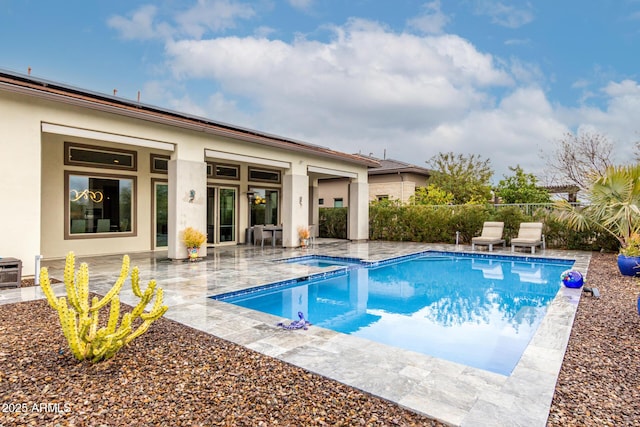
(491, 235)
(529, 236)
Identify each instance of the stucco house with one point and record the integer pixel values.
(392, 179)
(98, 174)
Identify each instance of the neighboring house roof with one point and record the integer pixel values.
(21, 83)
(390, 166)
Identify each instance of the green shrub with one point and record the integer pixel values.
(333, 223)
(393, 221)
(512, 216)
(468, 220)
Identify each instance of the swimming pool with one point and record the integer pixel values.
(324, 261)
(480, 311)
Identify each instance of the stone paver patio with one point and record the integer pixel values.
(450, 392)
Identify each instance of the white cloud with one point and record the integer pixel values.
(263, 32)
(618, 119)
(214, 16)
(205, 16)
(303, 5)
(432, 21)
(623, 90)
(517, 42)
(506, 15)
(580, 84)
(526, 72)
(369, 89)
(139, 25)
(514, 132)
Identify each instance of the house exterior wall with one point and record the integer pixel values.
(33, 179)
(392, 190)
(331, 189)
(394, 186)
(19, 181)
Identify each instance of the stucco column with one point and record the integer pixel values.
(358, 227)
(187, 203)
(295, 208)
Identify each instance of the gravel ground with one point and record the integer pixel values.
(599, 383)
(178, 376)
(171, 376)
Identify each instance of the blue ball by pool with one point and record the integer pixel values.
(573, 279)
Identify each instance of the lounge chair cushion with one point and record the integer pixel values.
(530, 233)
(491, 235)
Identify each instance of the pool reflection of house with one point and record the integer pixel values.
(99, 174)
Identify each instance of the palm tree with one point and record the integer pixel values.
(613, 204)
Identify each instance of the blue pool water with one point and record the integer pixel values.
(323, 261)
(478, 311)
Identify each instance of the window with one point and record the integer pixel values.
(264, 175)
(99, 205)
(215, 170)
(159, 163)
(337, 203)
(321, 201)
(264, 206)
(99, 157)
(383, 197)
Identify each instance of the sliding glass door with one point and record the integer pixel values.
(222, 214)
(160, 208)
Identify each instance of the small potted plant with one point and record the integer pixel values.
(303, 234)
(193, 239)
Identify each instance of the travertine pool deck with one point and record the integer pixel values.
(455, 394)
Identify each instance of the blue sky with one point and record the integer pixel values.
(502, 79)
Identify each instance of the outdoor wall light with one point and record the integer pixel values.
(192, 195)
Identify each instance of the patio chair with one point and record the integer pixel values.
(104, 226)
(78, 226)
(529, 236)
(491, 235)
(260, 235)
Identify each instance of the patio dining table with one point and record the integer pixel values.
(273, 229)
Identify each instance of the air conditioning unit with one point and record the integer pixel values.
(10, 272)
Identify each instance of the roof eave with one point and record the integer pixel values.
(59, 93)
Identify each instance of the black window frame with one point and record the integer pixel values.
(69, 147)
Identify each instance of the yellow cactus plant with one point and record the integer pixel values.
(79, 319)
